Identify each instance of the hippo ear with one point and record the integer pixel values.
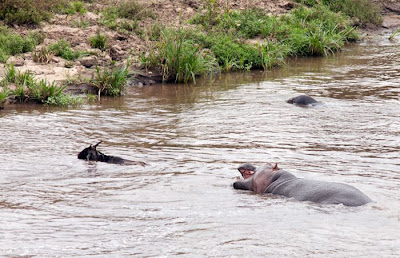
(275, 167)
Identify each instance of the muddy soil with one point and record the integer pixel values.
(122, 45)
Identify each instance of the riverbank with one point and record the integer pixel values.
(176, 40)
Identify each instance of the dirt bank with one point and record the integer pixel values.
(121, 45)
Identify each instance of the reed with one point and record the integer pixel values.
(178, 58)
(111, 81)
(27, 88)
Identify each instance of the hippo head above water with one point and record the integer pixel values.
(271, 179)
(302, 100)
(91, 153)
(247, 170)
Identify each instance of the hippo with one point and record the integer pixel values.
(302, 100)
(91, 153)
(271, 179)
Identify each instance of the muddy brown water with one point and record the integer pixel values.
(194, 137)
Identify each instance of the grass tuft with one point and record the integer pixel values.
(124, 16)
(13, 44)
(178, 58)
(366, 11)
(111, 81)
(42, 55)
(27, 88)
(63, 49)
(99, 41)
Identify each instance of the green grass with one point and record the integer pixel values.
(64, 100)
(26, 12)
(99, 41)
(125, 15)
(315, 31)
(12, 43)
(63, 49)
(27, 88)
(42, 55)
(72, 7)
(111, 81)
(178, 58)
(80, 23)
(4, 95)
(366, 11)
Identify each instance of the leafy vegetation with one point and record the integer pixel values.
(42, 55)
(111, 81)
(178, 58)
(72, 7)
(181, 55)
(26, 88)
(364, 10)
(63, 49)
(26, 12)
(12, 43)
(4, 94)
(80, 23)
(99, 41)
(125, 15)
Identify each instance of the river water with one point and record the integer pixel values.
(194, 137)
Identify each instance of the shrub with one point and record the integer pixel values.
(12, 43)
(29, 12)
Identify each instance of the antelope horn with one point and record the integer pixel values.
(97, 144)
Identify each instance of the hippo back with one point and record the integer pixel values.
(302, 100)
(303, 189)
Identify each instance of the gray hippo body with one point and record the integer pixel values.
(302, 100)
(270, 179)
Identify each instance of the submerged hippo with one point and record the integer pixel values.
(270, 179)
(91, 153)
(302, 100)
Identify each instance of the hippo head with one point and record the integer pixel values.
(90, 153)
(247, 170)
(302, 100)
(264, 177)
